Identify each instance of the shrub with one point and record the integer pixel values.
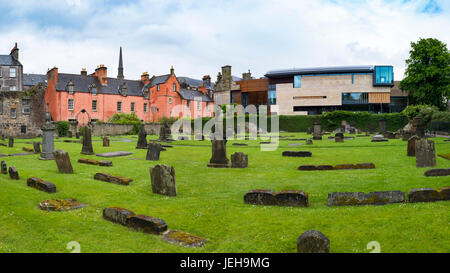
(165, 119)
(425, 112)
(130, 119)
(62, 127)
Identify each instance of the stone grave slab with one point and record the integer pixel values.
(115, 154)
(183, 238)
(60, 204)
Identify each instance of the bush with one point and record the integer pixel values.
(62, 127)
(165, 119)
(425, 112)
(130, 119)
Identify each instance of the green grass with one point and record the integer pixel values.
(210, 201)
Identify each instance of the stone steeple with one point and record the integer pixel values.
(120, 74)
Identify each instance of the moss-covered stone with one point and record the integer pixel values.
(183, 238)
(60, 204)
(40, 184)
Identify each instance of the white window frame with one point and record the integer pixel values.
(96, 105)
(26, 106)
(133, 107)
(199, 105)
(119, 106)
(15, 72)
(11, 113)
(68, 104)
(145, 107)
(12, 88)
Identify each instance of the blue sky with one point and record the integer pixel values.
(197, 37)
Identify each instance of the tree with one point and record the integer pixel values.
(427, 76)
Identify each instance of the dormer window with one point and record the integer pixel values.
(123, 90)
(93, 89)
(70, 87)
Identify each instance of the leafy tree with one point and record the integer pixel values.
(427, 76)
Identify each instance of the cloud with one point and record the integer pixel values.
(198, 37)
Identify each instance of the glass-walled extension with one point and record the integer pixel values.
(272, 95)
(383, 75)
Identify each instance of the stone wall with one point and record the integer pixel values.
(114, 129)
(23, 125)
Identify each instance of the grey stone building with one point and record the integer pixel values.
(225, 85)
(21, 98)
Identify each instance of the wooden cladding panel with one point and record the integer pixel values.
(254, 85)
(376, 97)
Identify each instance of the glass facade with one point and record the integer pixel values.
(272, 94)
(297, 81)
(384, 75)
(244, 99)
(355, 98)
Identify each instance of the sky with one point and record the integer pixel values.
(198, 37)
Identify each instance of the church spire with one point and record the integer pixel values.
(120, 74)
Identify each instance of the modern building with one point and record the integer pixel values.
(96, 96)
(252, 91)
(399, 98)
(303, 91)
(21, 98)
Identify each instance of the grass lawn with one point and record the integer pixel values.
(210, 201)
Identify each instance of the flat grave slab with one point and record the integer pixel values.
(115, 154)
(60, 204)
(183, 238)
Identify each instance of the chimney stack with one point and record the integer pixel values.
(102, 72)
(15, 52)
(172, 71)
(145, 78)
(247, 76)
(207, 80)
(83, 72)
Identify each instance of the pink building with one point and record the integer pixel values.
(150, 98)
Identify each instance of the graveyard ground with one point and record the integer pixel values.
(210, 201)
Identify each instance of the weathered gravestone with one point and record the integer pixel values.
(63, 161)
(37, 147)
(339, 137)
(406, 135)
(309, 142)
(317, 131)
(77, 135)
(165, 133)
(389, 135)
(308, 131)
(163, 180)
(13, 174)
(437, 172)
(4, 168)
(239, 160)
(360, 198)
(147, 224)
(297, 153)
(378, 138)
(69, 134)
(382, 125)
(11, 142)
(429, 195)
(38, 183)
(119, 180)
(153, 151)
(183, 238)
(114, 154)
(48, 145)
(411, 147)
(425, 153)
(260, 197)
(87, 141)
(60, 204)
(142, 140)
(295, 198)
(106, 142)
(313, 241)
(219, 154)
(117, 215)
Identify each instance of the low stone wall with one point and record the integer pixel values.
(114, 129)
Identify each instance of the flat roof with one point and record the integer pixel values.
(319, 70)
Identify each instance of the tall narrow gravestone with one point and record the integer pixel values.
(153, 151)
(425, 153)
(163, 180)
(165, 133)
(105, 142)
(87, 141)
(37, 147)
(382, 124)
(11, 142)
(48, 145)
(219, 154)
(411, 148)
(317, 131)
(63, 161)
(142, 140)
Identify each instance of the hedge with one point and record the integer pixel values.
(331, 121)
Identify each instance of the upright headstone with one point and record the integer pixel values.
(339, 137)
(63, 161)
(239, 160)
(142, 140)
(219, 154)
(4, 168)
(165, 132)
(73, 126)
(77, 135)
(313, 241)
(317, 130)
(87, 141)
(163, 180)
(153, 151)
(11, 142)
(69, 134)
(418, 127)
(105, 142)
(308, 131)
(343, 126)
(48, 146)
(13, 174)
(411, 148)
(37, 147)
(382, 124)
(425, 153)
